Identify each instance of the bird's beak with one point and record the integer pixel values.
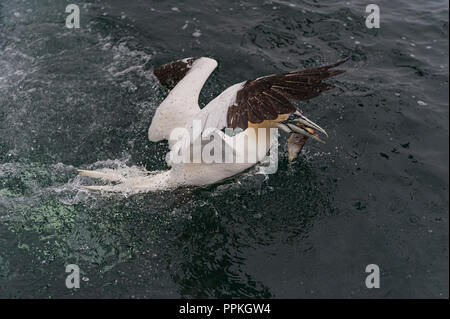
(297, 123)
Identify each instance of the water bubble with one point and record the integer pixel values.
(421, 103)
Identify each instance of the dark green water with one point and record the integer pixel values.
(377, 192)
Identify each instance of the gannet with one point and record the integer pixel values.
(252, 109)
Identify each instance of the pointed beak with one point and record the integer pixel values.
(300, 124)
(308, 123)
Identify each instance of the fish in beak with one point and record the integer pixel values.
(300, 129)
(295, 144)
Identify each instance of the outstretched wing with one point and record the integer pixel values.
(268, 97)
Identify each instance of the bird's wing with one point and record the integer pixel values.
(254, 101)
(265, 98)
(171, 73)
(268, 97)
(185, 79)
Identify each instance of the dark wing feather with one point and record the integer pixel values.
(237, 117)
(171, 73)
(266, 98)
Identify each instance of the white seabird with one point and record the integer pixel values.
(254, 106)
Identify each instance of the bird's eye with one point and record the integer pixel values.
(292, 117)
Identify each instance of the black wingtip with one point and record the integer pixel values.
(171, 73)
(335, 72)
